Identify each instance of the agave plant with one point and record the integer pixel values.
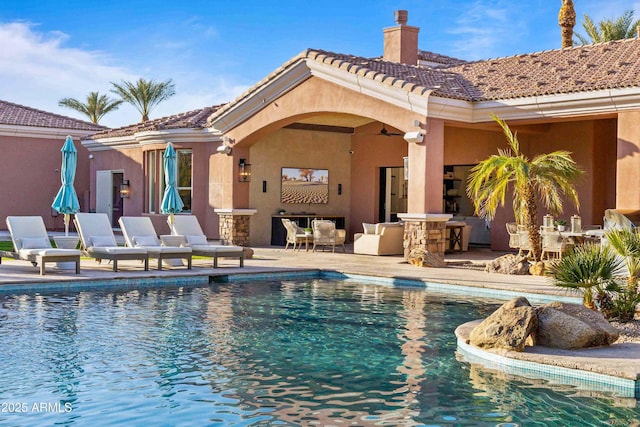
(590, 268)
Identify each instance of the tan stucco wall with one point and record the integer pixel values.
(298, 149)
(628, 173)
(313, 97)
(370, 153)
(30, 177)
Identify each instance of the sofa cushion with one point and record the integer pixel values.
(380, 225)
(369, 228)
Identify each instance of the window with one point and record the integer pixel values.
(155, 182)
(184, 177)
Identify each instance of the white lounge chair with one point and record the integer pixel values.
(139, 232)
(189, 227)
(97, 240)
(31, 243)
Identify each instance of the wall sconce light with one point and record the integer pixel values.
(125, 191)
(264, 186)
(339, 189)
(244, 171)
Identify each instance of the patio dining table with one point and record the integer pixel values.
(582, 237)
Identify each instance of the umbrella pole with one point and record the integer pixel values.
(66, 224)
(173, 231)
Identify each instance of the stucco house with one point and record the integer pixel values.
(362, 123)
(30, 143)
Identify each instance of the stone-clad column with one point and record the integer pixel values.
(235, 225)
(425, 234)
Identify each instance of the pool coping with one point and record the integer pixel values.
(625, 384)
(595, 368)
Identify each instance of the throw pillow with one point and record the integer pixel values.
(369, 228)
(145, 241)
(193, 239)
(102, 241)
(35, 243)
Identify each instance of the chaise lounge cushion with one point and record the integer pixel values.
(144, 241)
(194, 239)
(102, 241)
(34, 243)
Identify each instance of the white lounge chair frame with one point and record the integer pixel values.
(96, 225)
(188, 226)
(32, 227)
(141, 227)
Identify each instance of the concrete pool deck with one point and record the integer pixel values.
(619, 361)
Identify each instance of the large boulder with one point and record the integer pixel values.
(508, 327)
(423, 258)
(509, 264)
(571, 326)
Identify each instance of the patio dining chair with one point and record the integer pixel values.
(295, 235)
(326, 234)
(514, 237)
(554, 244)
(523, 241)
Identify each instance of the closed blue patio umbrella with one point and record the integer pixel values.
(66, 201)
(171, 201)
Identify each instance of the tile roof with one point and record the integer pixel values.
(614, 64)
(609, 65)
(425, 55)
(19, 115)
(195, 119)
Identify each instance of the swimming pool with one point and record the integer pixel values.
(286, 352)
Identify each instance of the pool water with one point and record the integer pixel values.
(311, 352)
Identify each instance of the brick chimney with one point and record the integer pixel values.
(401, 41)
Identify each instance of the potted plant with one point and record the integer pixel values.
(281, 211)
(561, 224)
(308, 231)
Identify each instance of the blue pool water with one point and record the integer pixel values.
(306, 352)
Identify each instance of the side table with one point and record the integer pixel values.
(66, 242)
(173, 240)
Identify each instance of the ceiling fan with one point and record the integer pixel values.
(385, 132)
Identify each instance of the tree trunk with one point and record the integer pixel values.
(531, 222)
(567, 20)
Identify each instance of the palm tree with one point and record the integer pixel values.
(547, 176)
(567, 20)
(622, 28)
(144, 95)
(95, 108)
